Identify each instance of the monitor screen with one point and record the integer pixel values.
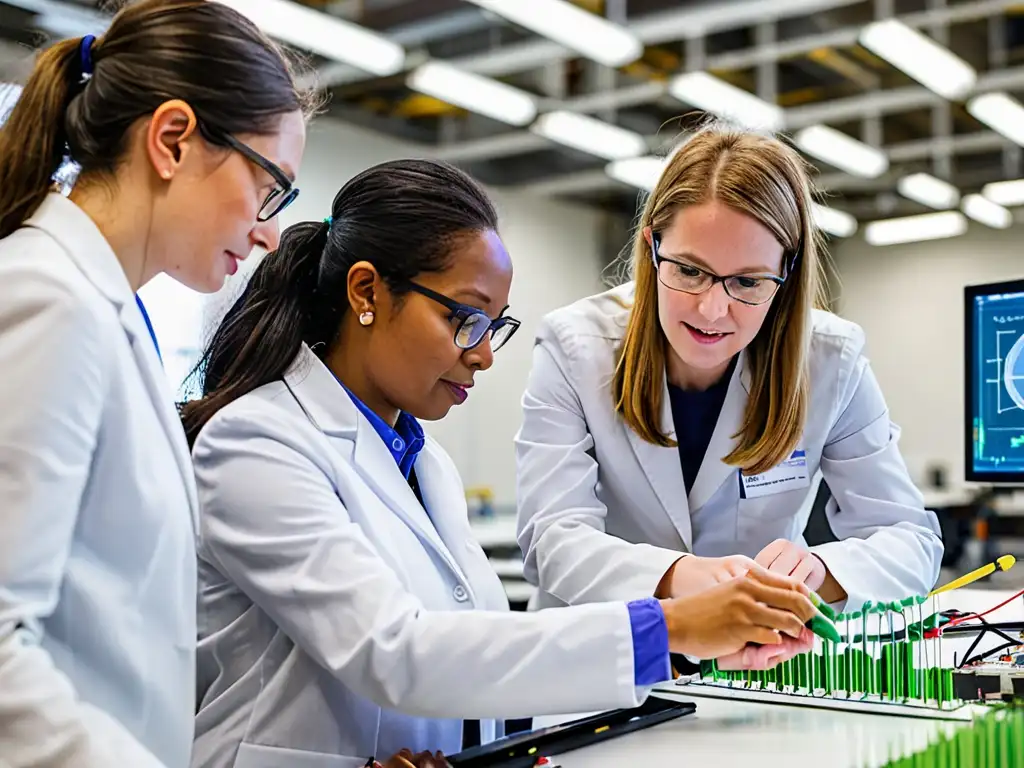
(994, 385)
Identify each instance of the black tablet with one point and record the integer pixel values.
(522, 750)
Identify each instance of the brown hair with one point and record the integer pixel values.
(234, 78)
(766, 179)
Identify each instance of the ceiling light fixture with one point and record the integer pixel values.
(718, 97)
(842, 151)
(1000, 112)
(321, 33)
(588, 134)
(928, 190)
(984, 211)
(473, 92)
(910, 229)
(575, 28)
(640, 172)
(1005, 192)
(835, 222)
(918, 56)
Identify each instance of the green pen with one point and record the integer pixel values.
(821, 624)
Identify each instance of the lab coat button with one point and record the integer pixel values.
(460, 594)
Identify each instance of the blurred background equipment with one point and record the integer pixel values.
(908, 111)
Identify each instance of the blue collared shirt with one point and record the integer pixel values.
(646, 619)
(405, 440)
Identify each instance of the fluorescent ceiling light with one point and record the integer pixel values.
(909, 229)
(1005, 192)
(588, 134)
(842, 151)
(928, 190)
(642, 172)
(323, 34)
(835, 222)
(474, 92)
(571, 26)
(709, 93)
(986, 212)
(918, 56)
(1001, 113)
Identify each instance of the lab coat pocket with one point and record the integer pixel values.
(780, 516)
(259, 756)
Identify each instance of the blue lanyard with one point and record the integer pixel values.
(149, 325)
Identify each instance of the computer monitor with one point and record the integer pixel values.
(994, 382)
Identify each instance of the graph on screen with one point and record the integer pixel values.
(997, 407)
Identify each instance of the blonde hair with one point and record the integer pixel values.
(766, 179)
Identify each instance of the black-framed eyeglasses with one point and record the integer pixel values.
(750, 289)
(282, 195)
(474, 325)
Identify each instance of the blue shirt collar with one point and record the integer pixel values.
(405, 440)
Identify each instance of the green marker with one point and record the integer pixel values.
(821, 624)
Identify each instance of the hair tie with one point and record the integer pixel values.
(85, 56)
(329, 221)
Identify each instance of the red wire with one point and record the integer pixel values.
(931, 633)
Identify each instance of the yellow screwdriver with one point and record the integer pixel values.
(1004, 563)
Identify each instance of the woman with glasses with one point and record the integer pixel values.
(187, 127)
(346, 609)
(691, 410)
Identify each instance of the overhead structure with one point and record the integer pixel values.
(903, 107)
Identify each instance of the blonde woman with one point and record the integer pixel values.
(690, 410)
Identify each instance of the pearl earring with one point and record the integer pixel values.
(366, 318)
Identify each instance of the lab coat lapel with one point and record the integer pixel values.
(713, 471)
(155, 380)
(664, 472)
(333, 412)
(76, 233)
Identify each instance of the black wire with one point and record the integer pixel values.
(983, 656)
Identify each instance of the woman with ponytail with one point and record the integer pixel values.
(187, 127)
(345, 607)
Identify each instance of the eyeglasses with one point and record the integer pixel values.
(282, 195)
(688, 278)
(474, 324)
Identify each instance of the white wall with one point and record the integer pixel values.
(909, 300)
(556, 255)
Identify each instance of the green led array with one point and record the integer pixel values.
(878, 666)
(994, 740)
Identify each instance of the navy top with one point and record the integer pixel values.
(649, 630)
(695, 415)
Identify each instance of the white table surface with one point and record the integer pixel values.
(724, 734)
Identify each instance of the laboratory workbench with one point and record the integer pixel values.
(727, 733)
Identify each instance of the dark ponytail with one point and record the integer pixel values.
(402, 216)
(265, 327)
(32, 140)
(82, 99)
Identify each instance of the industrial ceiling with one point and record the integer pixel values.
(809, 58)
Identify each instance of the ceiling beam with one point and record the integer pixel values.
(905, 153)
(668, 26)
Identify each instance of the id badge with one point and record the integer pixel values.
(790, 475)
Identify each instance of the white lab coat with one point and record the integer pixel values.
(339, 619)
(603, 514)
(97, 513)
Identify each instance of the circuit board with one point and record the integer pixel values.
(696, 686)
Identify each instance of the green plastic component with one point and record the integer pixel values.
(994, 740)
(823, 627)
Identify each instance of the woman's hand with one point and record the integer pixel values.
(690, 574)
(789, 559)
(406, 759)
(756, 609)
